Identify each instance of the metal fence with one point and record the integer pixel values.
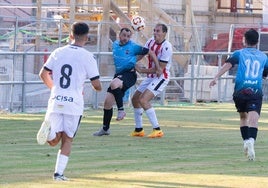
(23, 91)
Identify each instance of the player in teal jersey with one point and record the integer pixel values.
(252, 63)
(126, 53)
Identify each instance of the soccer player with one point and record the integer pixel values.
(248, 87)
(154, 84)
(126, 53)
(64, 73)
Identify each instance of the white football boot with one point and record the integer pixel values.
(43, 133)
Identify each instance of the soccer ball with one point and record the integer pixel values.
(137, 23)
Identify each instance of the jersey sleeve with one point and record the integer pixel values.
(234, 58)
(166, 53)
(92, 69)
(139, 50)
(49, 63)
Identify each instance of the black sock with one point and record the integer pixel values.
(107, 116)
(252, 132)
(118, 95)
(158, 128)
(138, 129)
(244, 132)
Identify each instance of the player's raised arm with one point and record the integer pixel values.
(224, 69)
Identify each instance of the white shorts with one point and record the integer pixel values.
(155, 85)
(64, 123)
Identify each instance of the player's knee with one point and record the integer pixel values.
(113, 86)
(134, 100)
(56, 140)
(116, 83)
(52, 143)
(143, 101)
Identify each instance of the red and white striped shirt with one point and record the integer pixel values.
(163, 52)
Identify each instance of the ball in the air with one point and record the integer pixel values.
(137, 23)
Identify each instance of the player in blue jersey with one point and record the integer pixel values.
(126, 53)
(247, 95)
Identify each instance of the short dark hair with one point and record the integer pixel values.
(164, 27)
(79, 28)
(125, 29)
(251, 37)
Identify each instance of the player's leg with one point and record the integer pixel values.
(254, 110)
(145, 99)
(253, 117)
(116, 89)
(55, 134)
(156, 86)
(240, 104)
(138, 110)
(62, 158)
(119, 86)
(47, 128)
(244, 129)
(107, 115)
(70, 127)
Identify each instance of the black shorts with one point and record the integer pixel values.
(129, 78)
(248, 102)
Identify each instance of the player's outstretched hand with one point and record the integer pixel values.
(212, 83)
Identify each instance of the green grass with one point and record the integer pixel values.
(202, 147)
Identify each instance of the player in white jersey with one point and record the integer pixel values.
(153, 84)
(64, 73)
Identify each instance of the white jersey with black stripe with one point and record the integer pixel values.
(71, 66)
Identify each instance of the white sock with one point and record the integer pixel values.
(152, 117)
(251, 140)
(61, 163)
(138, 117)
(244, 141)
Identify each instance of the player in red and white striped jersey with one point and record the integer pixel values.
(155, 82)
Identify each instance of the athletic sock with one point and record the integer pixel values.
(61, 163)
(252, 132)
(138, 117)
(152, 117)
(107, 116)
(138, 129)
(244, 132)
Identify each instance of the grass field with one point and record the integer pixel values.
(202, 147)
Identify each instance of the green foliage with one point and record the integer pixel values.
(202, 147)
